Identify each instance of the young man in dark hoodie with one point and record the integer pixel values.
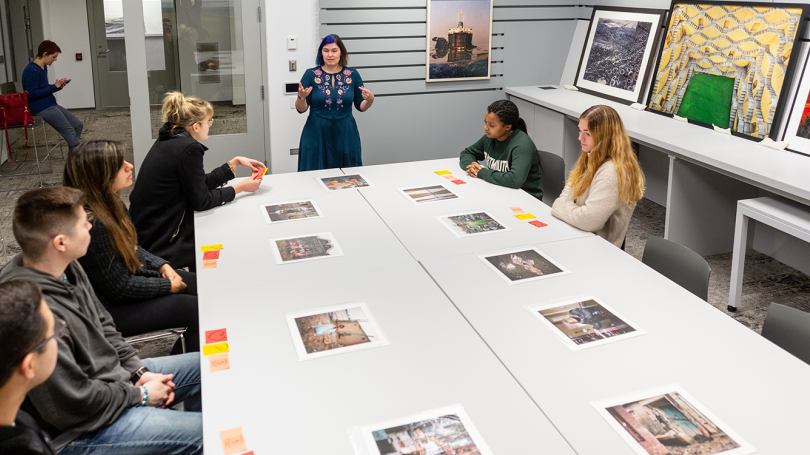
(101, 397)
(28, 333)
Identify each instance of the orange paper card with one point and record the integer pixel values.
(219, 362)
(216, 336)
(458, 182)
(516, 209)
(537, 223)
(211, 255)
(442, 172)
(233, 440)
(209, 263)
(219, 348)
(525, 216)
(211, 247)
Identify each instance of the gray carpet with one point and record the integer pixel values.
(766, 280)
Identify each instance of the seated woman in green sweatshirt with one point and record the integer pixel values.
(509, 152)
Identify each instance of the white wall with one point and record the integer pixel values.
(299, 19)
(65, 23)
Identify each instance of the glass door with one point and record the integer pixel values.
(210, 49)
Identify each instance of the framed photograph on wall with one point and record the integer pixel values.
(617, 57)
(459, 40)
(728, 64)
(797, 129)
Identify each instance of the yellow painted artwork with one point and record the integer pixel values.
(752, 45)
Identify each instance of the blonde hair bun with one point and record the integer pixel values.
(182, 111)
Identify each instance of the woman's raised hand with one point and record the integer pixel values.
(367, 95)
(303, 92)
(251, 164)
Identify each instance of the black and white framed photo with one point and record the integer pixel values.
(617, 57)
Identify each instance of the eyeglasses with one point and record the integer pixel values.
(59, 330)
(210, 121)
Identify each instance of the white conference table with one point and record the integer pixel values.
(286, 406)
(749, 383)
(423, 235)
(241, 229)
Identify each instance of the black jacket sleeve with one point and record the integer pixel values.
(111, 278)
(201, 189)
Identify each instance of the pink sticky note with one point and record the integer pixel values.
(216, 336)
(211, 255)
(516, 209)
(209, 263)
(233, 440)
(219, 362)
(450, 177)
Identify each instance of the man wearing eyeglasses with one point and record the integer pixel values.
(28, 332)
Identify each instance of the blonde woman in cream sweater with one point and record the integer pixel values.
(606, 182)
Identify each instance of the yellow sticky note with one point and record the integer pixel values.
(219, 348)
(219, 362)
(211, 248)
(209, 263)
(233, 440)
(442, 172)
(525, 216)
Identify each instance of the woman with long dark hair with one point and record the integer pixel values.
(508, 151)
(606, 182)
(142, 292)
(330, 138)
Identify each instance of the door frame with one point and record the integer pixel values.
(93, 46)
(139, 82)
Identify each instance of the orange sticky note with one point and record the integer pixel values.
(209, 263)
(259, 174)
(233, 440)
(525, 216)
(442, 172)
(211, 255)
(219, 348)
(516, 209)
(211, 247)
(216, 336)
(537, 223)
(458, 182)
(219, 362)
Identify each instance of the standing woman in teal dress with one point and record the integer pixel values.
(330, 138)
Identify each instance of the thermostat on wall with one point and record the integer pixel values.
(290, 87)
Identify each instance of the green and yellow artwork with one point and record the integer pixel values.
(726, 64)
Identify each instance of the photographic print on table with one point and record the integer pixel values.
(471, 223)
(728, 64)
(618, 53)
(289, 211)
(459, 40)
(432, 193)
(797, 131)
(344, 182)
(583, 322)
(521, 265)
(438, 432)
(305, 248)
(668, 420)
(335, 329)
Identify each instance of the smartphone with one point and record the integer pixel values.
(67, 81)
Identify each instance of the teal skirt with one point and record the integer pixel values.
(329, 144)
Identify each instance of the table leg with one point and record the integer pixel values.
(738, 260)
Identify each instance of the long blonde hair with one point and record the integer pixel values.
(610, 142)
(184, 111)
(92, 167)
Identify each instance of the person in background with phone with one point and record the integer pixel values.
(40, 94)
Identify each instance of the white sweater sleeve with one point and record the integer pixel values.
(601, 202)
